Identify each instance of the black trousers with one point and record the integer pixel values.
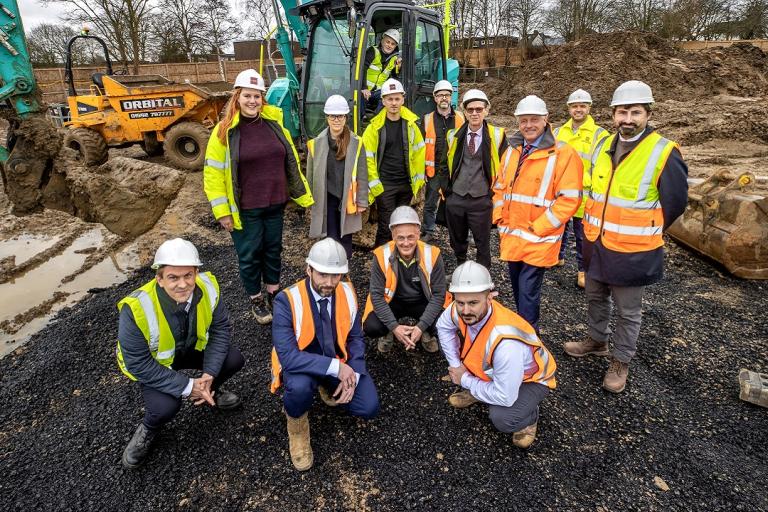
(333, 224)
(465, 213)
(160, 408)
(374, 328)
(392, 197)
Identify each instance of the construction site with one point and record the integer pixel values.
(679, 437)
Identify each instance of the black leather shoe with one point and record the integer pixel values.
(226, 400)
(137, 450)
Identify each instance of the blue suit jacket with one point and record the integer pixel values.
(311, 360)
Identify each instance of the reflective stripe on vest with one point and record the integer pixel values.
(503, 324)
(300, 302)
(375, 76)
(430, 139)
(634, 222)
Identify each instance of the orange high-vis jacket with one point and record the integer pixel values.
(531, 211)
(427, 255)
(304, 323)
(430, 139)
(503, 324)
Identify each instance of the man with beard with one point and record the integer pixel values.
(639, 187)
(318, 342)
(435, 127)
(494, 355)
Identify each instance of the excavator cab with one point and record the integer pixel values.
(338, 34)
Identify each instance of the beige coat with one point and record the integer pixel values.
(316, 176)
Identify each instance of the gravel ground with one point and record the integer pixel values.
(677, 439)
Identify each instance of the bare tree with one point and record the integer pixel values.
(643, 15)
(573, 19)
(261, 18)
(753, 19)
(525, 16)
(47, 44)
(185, 19)
(695, 19)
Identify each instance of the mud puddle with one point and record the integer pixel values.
(29, 300)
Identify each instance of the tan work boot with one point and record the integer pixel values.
(581, 280)
(298, 442)
(326, 397)
(428, 342)
(615, 379)
(525, 438)
(560, 263)
(586, 347)
(386, 343)
(462, 399)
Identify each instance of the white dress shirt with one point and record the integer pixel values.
(191, 383)
(510, 360)
(333, 368)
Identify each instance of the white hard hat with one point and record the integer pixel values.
(579, 96)
(531, 105)
(328, 256)
(474, 95)
(470, 277)
(394, 34)
(250, 78)
(336, 105)
(404, 215)
(177, 252)
(443, 85)
(391, 86)
(633, 92)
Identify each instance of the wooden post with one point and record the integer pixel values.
(197, 73)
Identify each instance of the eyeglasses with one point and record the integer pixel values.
(336, 117)
(444, 96)
(474, 110)
(409, 238)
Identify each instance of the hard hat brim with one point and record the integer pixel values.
(328, 270)
(470, 289)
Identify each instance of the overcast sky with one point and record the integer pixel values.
(33, 12)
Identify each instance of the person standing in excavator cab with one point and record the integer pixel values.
(381, 63)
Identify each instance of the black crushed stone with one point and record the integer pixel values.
(66, 413)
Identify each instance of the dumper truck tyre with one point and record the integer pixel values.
(150, 145)
(185, 145)
(89, 144)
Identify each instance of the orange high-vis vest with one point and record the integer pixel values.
(430, 139)
(503, 324)
(623, 207)
(532, 210)
(427, 255)
(301, 300)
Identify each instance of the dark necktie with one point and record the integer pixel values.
(472, 147)
(325, 318)
(527, 149)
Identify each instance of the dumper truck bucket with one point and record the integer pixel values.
(727, 220)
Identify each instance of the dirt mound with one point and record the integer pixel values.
(600, 62)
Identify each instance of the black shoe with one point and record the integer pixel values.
(426, 237)
(138, 449)
(226, 400)
(260, 310)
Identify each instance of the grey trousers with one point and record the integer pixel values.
(524, 412)
(629, 314)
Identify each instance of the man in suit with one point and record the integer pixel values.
(318, 343)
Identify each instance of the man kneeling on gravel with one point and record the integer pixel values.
(494, 355)
(407, 280)
(318, 343)
(175, 321)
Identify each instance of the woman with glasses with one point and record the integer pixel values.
(251, 171)
(338, 177)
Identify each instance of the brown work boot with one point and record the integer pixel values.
(525, 438)
(386, 343)
(428, 342)
(615, 379)
(298, 442)
(560, 262)
(326, 397)
(586, 347)
(581, 280)
(462, 399)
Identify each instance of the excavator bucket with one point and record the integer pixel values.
(727, 220)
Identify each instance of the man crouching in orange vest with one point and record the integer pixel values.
(536, 193)
(495, 355)
(318, 342)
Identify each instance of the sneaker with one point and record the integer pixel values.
(429, 342)
(226, 399)
(615, 379)
(138, 448)
(525, 438)
(386, 343)
(326, 397)
(462, 399)
(581, 280)
(261, 311)
(587, 347)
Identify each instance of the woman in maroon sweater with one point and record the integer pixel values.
(251, 170)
